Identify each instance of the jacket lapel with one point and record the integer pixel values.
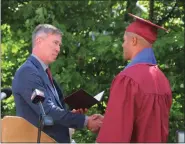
(60, 93)
(44, 77)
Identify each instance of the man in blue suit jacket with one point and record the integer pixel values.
(46, 40)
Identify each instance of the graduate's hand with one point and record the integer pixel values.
(80, 111)
(94, 124)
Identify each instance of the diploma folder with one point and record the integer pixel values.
(82, 99)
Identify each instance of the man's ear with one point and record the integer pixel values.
(134, 41)
(38, 40)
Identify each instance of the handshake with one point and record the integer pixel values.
(94, 122)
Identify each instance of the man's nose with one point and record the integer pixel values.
(58, 49)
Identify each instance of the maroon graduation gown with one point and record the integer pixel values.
(138, 107)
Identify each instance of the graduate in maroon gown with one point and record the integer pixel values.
(140, 95)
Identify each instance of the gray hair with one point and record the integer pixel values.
(44, 29)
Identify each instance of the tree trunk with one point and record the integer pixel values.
(184, 31)
(151, 13)
(130, 8)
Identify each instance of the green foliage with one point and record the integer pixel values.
(13, 55)
(91, 54)
(8, 107)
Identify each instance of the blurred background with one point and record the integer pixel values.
(91, 54)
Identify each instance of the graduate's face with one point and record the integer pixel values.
(50, 47)
(127, 47)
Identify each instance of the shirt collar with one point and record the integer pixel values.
(44, 66)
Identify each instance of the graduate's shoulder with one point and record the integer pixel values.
(143, 72)
(139, 70)
(147, 76)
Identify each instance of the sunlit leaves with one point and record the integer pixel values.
(91, 51)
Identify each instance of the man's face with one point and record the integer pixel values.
(127, 47)
(50, 47)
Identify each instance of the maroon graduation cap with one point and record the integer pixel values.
(144, 28)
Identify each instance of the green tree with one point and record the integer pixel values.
(91, 54)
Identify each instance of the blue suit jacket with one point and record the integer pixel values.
(31, 76)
